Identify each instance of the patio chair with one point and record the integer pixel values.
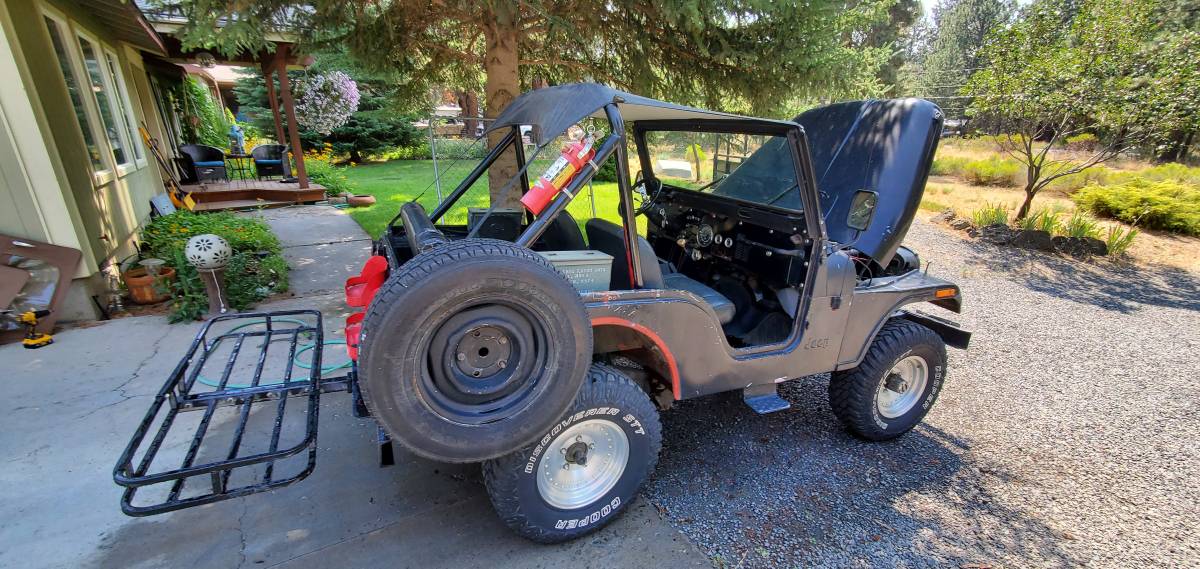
(269, 160)
(207, 162)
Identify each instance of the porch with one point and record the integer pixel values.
(243, 194)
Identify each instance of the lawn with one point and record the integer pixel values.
(393, 183)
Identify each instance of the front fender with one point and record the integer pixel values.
(872, 304)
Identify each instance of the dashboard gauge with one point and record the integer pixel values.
(704, 236)
(728, 242)
(717, 239)
(697, 255)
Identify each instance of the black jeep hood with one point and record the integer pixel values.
(883, 146)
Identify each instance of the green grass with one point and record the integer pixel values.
(398, 181)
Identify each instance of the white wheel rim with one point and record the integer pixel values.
(902, 387)
(565, 483)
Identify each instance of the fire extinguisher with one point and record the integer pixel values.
(559, 174)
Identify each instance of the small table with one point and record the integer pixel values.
(240, 163)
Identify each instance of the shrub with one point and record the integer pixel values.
(255, 270)
(1085, 142)
(1167, 205)
(949, 166)
(1072, 182)
(993, 171)
(990, 214)
(321, 170)
(419, 151)
(461, 149)
(1081, 225)
(1119, 240)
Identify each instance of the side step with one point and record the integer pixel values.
(200, 452)
(764, 398)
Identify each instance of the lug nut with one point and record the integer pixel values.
(503, 340)
(502, 363)
(462, 357)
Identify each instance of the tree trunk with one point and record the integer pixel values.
(501, 34)
(1025, 205)
(468, 101)
(1175, 150)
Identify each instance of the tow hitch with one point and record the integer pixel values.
(197, 444)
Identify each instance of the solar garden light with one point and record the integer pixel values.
(209, 254)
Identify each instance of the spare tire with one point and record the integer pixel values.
(472, 350)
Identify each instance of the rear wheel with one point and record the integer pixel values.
(586, 469)
(896, 384)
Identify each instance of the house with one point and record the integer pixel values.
(79, 77)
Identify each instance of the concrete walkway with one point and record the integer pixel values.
(70, 409)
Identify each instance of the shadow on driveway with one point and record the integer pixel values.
(352, 513)
(1105, 284)
(794, 489)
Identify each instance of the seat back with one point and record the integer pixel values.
(202, 153)
(562, 234)
(609, 238)
(883, 146)
(268, 152)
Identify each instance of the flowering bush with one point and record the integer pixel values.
(326, 101)
(322, 171)
(256, 270)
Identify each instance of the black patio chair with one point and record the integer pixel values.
(269, 160)
(207, 162)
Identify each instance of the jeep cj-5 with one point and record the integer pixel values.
(514, 337)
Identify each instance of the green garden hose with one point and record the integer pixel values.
(295, 359)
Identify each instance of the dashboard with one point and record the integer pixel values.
(703, 234)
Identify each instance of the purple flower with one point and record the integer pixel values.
(326, 101)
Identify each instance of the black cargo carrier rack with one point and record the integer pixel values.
(214, 460)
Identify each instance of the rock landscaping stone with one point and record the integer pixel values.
(1080, 247)
(1035, 239)
(960, 224)
(945, 217)
(997, 233)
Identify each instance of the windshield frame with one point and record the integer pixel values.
(796, 142)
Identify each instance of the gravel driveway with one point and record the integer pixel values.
(1066, 436)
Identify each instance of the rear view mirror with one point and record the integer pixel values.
(862, 209)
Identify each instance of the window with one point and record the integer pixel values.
(123, 104)
(748, 167)
(102, 90)
(64, 63)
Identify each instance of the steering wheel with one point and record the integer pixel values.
(645, 192)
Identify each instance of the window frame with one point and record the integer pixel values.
(117, 74)
(75, 66)
(124, 168)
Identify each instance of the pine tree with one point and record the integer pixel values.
(732, 54)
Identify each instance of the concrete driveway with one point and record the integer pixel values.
(70, 409)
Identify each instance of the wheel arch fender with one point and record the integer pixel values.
(611, 334)
(873, 306)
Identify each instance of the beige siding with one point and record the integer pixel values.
(105, 212)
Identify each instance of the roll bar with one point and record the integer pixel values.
(613, 147)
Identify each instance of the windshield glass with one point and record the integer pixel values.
(751, 167)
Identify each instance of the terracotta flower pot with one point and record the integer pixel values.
(142, 288)
(360, 200)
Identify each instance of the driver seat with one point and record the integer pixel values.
(609, 238)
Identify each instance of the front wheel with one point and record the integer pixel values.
(895, 385)
(586, 469)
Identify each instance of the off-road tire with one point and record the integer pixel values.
(511, 480)
(853, 393)
(417, 331)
